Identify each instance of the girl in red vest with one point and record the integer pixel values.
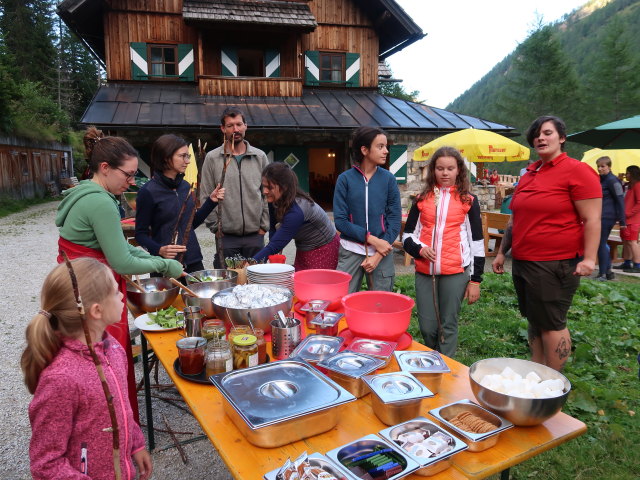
(443, 233)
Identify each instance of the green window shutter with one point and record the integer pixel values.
(272, 63)
(398, 162)
(185, 62)
(139, 64)
(312, 67)
(352, 76)
(229, 57)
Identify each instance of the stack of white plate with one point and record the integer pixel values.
(271, 274)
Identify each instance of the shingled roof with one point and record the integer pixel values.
(256, 12)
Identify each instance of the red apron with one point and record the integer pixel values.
(119, 330)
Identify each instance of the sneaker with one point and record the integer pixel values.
(631, 270)
(611, 275)
(602, 278)
(622, 266)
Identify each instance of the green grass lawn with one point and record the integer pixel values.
(603, 371)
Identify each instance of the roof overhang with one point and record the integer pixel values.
(85, 19)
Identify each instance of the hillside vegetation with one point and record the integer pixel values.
(584, 68)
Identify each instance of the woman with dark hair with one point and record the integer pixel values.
(553, 235)
(89, 222)
(443, 233)
(166, 211)
(295, 216)
(612, 212)
(367, 212)
(494, 178)
(629, 235)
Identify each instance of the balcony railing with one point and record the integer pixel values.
(250, 86)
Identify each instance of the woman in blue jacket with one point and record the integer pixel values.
(367, 212)
(612, 212)
(161, 220)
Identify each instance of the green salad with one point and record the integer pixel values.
(210, 279)
(166, 318)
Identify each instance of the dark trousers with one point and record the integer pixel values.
(247, 246)
(604, 259)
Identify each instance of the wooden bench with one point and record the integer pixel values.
(497, 222)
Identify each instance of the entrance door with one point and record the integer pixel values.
(322, 175)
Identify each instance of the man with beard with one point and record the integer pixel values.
(244, 212)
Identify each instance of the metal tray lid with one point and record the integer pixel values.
(351, 364)
(316, 460)
(421, 361)
(375, 348)
(315, 305)
(423, 452)
(275, 392)
(362, 445)
(397, 387)
(447, 412)
(327, 319)
(315, 348)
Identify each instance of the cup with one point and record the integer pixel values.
(284, 340)
(277, 258)
(192, 321)
(191, 354)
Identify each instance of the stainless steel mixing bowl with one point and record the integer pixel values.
(160, 293)
(205, 291)
(520, 411)
(222, 274)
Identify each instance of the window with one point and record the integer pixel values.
(162, 60)
(331, 67)
(250, 62)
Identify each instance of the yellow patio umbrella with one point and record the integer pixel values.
(476, 146)
(620, 159)
(191, 173)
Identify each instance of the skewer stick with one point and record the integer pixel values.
(135, 284)
(183, 287)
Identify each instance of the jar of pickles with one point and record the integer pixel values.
(262, 345)
(218, 358)
(245, 351)
(238, 330)
(213, 328)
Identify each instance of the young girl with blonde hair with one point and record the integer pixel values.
(70, 420)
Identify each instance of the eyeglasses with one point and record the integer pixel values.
(128, 176)
(185, 156)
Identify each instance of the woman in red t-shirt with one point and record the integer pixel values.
(629, 235)
(494, 178)
(554, 234)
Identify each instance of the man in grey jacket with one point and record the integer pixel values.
(245, 213)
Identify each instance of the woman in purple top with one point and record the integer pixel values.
(293, 215)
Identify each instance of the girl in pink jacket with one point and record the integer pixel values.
(71, 427)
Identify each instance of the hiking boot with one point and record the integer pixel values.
(611, 275)
(631, 270)
(622, 266)
(602, 278)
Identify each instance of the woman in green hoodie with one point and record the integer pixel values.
(89, 223)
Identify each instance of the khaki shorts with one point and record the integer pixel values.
(545, 291)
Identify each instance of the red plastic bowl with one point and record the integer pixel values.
(321, 284)
(378, 315)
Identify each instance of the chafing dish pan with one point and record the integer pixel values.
(278, 403)
(315, 348)
(315, 460)
(347, 369)
(382, 349)
(427, 366)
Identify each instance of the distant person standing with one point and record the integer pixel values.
(612, 212)
(244, 211)
(629, 235)
(494, 178)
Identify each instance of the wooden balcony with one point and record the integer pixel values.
(250, 86)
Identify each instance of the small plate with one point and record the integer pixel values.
(200, 378)
(141, 323)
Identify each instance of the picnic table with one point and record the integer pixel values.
(248, 462)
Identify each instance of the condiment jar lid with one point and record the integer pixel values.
(244, 340)
(191, 342)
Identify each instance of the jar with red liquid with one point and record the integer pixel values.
(191, 354)
(262, 345)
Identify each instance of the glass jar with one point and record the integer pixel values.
(213, 328)
(238, 330)
(218, 357)
(262, 345)
(191, 355)
(245, 351)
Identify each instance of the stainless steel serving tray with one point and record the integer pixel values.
(351, 364)
(316, 460)
(426, 428)
(396, 387)
(376, 348)
(421, 362)
(280, 391)
(315, 348)
(366, 445)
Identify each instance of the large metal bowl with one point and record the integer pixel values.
(160, 293)
(520, 411)
(205, 291)
(260, 317)
(223, 274)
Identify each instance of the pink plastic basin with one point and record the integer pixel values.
(378, 315)
(321, 284)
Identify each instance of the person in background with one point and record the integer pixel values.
(612, 212)
(71, 434)
(88, 219)
(494, 178)
(443, 233)
(367, 212)
(553, 234)
(629, 235)
(244, 213)
(294, 215)
(161, 222)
